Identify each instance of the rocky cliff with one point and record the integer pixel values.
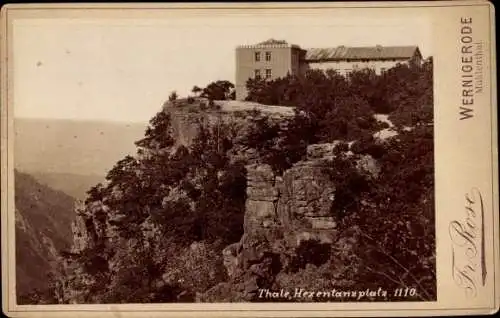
(285, 214)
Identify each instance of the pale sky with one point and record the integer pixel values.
(124, 69)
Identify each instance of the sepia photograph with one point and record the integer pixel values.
(280, 170)
(228, 156)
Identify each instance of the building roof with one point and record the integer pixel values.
(272, 42)
(368, 53)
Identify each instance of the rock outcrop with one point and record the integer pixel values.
(185, 117)
(294, 204)
(282, 213)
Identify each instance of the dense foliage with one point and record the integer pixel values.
(157, 203)
(393, 215)
(343, 106)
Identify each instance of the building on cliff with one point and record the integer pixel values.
(276, 58)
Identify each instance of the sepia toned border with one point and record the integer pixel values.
(466, 160)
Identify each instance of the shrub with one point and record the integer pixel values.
(196, 268)
(310, 252)
(173, 96)
(219, 90)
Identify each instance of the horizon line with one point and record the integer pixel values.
(146, 121)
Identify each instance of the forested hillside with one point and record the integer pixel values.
(43, 228)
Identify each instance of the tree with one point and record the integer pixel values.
(365, 84)
(196, 90)
(158, 134)
(173, 96)
(407, 91)
(218, 90)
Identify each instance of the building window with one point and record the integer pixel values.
(257, 56)
(382, 70)
(257, 74)
(348, 73)
(268, 56)
(268, 73)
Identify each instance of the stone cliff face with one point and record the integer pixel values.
(282, 213)
(296, 203)
(185, 117)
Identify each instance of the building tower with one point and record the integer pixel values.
(266, 60)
